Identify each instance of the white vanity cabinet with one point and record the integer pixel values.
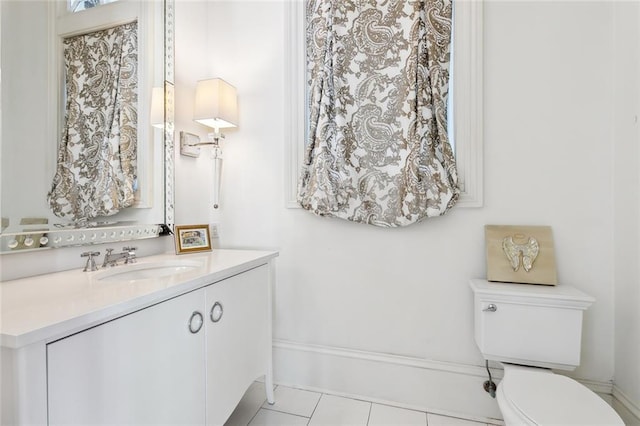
(185, 359)
(143, 368)
(238, 343)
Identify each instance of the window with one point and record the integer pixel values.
(79, 5)
(466, 100)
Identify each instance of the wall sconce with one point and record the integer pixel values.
(216, 106)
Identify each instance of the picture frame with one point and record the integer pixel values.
(192, 238)
(520, 254)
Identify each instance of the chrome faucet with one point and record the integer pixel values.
(128, 254)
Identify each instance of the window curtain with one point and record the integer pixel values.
(377, 149)
(96, 171)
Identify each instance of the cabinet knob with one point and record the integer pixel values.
(491, 308)
(195, 322)
(216, 312)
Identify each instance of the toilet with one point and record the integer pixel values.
(532, 329)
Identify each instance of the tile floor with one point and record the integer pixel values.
(299, 407)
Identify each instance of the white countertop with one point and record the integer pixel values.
(48, 307)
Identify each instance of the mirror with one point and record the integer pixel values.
(32, 116)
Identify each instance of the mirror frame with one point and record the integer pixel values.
(169, 112)
(67, 237)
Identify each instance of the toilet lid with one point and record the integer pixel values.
(552, 399)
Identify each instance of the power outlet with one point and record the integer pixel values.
(215, 230)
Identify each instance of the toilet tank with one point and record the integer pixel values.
(529, 324)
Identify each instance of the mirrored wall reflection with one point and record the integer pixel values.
(97, 160)
(80, 5)
(32, 113)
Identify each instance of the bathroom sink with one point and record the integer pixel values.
(145, 271)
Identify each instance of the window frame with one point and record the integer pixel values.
(467, 101)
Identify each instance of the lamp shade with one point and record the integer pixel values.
(216, 104)
(157, 107)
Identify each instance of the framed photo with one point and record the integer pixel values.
(520, 254)
(192, 238)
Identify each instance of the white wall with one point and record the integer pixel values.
(548, 111)
(627, 204)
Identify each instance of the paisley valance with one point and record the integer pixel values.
(378, 74)
(96, 170)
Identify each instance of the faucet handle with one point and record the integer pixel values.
(91, 262)
(91, 253)
(131, 254)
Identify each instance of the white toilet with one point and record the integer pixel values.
(531, 329)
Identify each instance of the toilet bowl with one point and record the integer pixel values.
(534, 396)
(530, 330)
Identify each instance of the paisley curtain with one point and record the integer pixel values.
(96, 172)
(377, 149)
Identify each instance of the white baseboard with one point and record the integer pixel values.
(628, 410)
(445, 388)
(437, 387)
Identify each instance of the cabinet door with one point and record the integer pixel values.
(144, 368)
(238, 346)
